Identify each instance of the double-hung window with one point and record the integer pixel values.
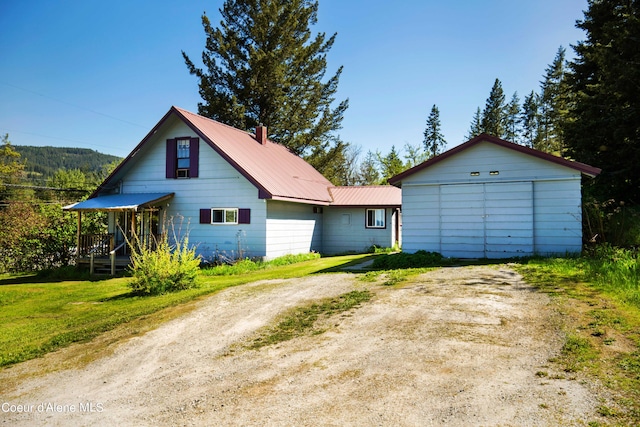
(183, 157)
(376, 218)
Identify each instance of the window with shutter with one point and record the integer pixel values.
(182, 157)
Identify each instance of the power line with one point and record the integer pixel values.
(74, 105)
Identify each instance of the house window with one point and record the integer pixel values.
(375, 218)
(224, 216)
(183, 157)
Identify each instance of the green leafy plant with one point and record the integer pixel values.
(159, 267)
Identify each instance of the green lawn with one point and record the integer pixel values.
(38, 317)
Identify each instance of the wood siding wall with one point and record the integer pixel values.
(530, 206)
(345, 231)
(218, 185)
(292, 228)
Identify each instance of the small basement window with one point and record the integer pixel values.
(475, 173)
(375, 218)
(494, 173)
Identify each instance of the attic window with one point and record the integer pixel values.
(475, 173)
(182, 157)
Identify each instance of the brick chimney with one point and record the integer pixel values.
(261, 134)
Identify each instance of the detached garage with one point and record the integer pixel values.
(489, 198)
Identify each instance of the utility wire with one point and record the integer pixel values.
(74, 105)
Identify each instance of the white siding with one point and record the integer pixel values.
(558, 217)
(218, 185)
(421, 218)
(345, 231)
(530, 206)
(292, 228)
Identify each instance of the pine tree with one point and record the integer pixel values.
(263, 65)
(530, 120)
(494, 113)
(553, 104)
(475, 128)
(391, 164)
(512, 122)
(603, 127)
(434, 142)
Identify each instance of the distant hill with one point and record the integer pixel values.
(43, 162)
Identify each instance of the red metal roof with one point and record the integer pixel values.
(581, 167)
(275, 170)
(278, 173)
(371, 195)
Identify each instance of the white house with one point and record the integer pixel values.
(489, 198)
(238, 193)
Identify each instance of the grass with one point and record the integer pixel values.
(38, 315)
(303, 320)
(597, 296)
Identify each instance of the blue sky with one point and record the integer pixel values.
(100, 75)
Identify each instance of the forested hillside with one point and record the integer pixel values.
(41, 163)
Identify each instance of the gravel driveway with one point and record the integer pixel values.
(456, 346)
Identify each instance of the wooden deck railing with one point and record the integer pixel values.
(96, 244)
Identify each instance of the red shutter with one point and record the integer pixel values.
(205, 216)
(172, 154)
(194, 154)
(244, 216)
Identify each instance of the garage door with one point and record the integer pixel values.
(486, 220)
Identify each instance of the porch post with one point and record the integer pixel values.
(79, 234)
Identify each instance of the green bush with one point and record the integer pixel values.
(418, 259)
(158, 267)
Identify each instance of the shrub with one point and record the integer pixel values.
(405, 260)
(159, 267)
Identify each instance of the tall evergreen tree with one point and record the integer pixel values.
(434, 141)
(553, 105)
(391, 164)
(494, 113)
(603, 128)
(263, 65)
(475, 128)
(512, 119)
(530, 120)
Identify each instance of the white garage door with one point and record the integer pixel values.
(486, 220)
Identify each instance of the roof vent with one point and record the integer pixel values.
(261, 134)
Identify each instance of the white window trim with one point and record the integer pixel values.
(384, 218)
(224, 216)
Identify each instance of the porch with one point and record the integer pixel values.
(131, 219)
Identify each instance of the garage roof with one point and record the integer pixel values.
(581, 167)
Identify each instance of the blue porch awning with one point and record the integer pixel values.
(120, 202)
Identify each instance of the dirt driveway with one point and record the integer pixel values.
(457, 346)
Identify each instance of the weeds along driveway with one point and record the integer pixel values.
(461, 346)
